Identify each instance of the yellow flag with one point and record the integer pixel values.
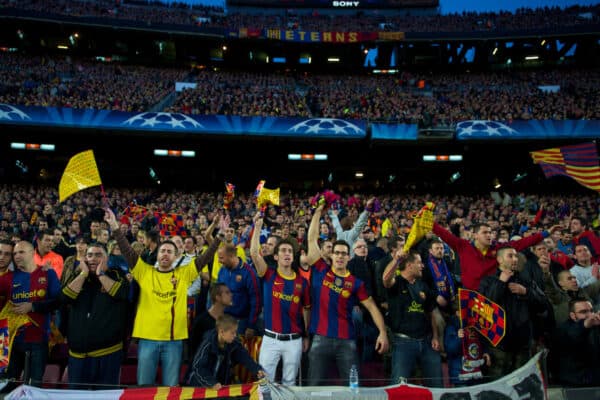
(81, 173)
(10, 323)
(268, 196)
(422, 223)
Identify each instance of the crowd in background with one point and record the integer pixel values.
(153, 13)
(440, 99)
(58, 82)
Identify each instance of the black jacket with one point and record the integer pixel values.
(214, 365)
(97, 319)
(519, 309)
(577, 349)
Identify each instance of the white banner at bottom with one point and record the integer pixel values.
(526, 382)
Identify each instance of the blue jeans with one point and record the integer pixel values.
(325, 349)
(86, 373)
(150, 352)
(407, 352)
(38, 355)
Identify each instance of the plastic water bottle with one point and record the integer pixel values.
(264, 389)
(354, 379)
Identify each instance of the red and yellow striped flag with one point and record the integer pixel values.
(579, 162)
(190, 393)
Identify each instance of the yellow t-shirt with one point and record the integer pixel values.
(162, 307)
(217, 265)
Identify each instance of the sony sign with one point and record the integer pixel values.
(340, 3)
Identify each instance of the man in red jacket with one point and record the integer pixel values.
(583, 235)
(478, 257)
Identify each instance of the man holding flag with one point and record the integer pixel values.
(411, 305)
(520, 300)
(34, 292)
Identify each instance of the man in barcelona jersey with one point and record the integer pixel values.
(286, 308)
(334, 293)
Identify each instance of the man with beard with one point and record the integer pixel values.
(161, 322)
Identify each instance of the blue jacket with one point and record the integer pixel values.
(245, 287)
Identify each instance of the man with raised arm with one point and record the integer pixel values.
(286, 308)
(478, 258)
(161, 323)
(335, 292)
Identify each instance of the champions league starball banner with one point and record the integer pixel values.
(328, 128)
(531, 129)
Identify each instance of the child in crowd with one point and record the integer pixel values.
(218, 354)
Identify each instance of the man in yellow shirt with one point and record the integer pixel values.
(161, 319)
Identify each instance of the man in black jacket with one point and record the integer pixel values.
(97, 320)
(520, 300)
(578, 345)
(218, 354)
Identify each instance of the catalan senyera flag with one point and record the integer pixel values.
(186, 393)
(10, 323)
(484, 315)
(422, 223)
(253, 346)
(81, 173)
(579, 162)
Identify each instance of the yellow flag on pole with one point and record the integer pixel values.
(81, 173)
(422, 223)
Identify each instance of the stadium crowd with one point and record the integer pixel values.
(157, 13)
(440, 99)
(535, 255)
(63, 82)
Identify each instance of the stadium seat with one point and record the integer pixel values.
(51, 376)
(128, 374)
(132, 351)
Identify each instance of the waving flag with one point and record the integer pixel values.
(423, 223)
(579, 162)
(135, 212)
(81, 173)
(170, 224)
(482, 314)
(265, 196)
(10, 323)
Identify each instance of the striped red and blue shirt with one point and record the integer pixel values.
(334, 297)
(41, 288)
(284, 299)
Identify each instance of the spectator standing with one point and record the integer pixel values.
(286, 308)
(33, 291)
(411, 305)
(520, 300)
(98, 299)
(336, 291)
(161, 322)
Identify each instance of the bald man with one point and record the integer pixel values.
(34, 292)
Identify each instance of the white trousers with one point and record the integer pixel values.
(290, 351)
